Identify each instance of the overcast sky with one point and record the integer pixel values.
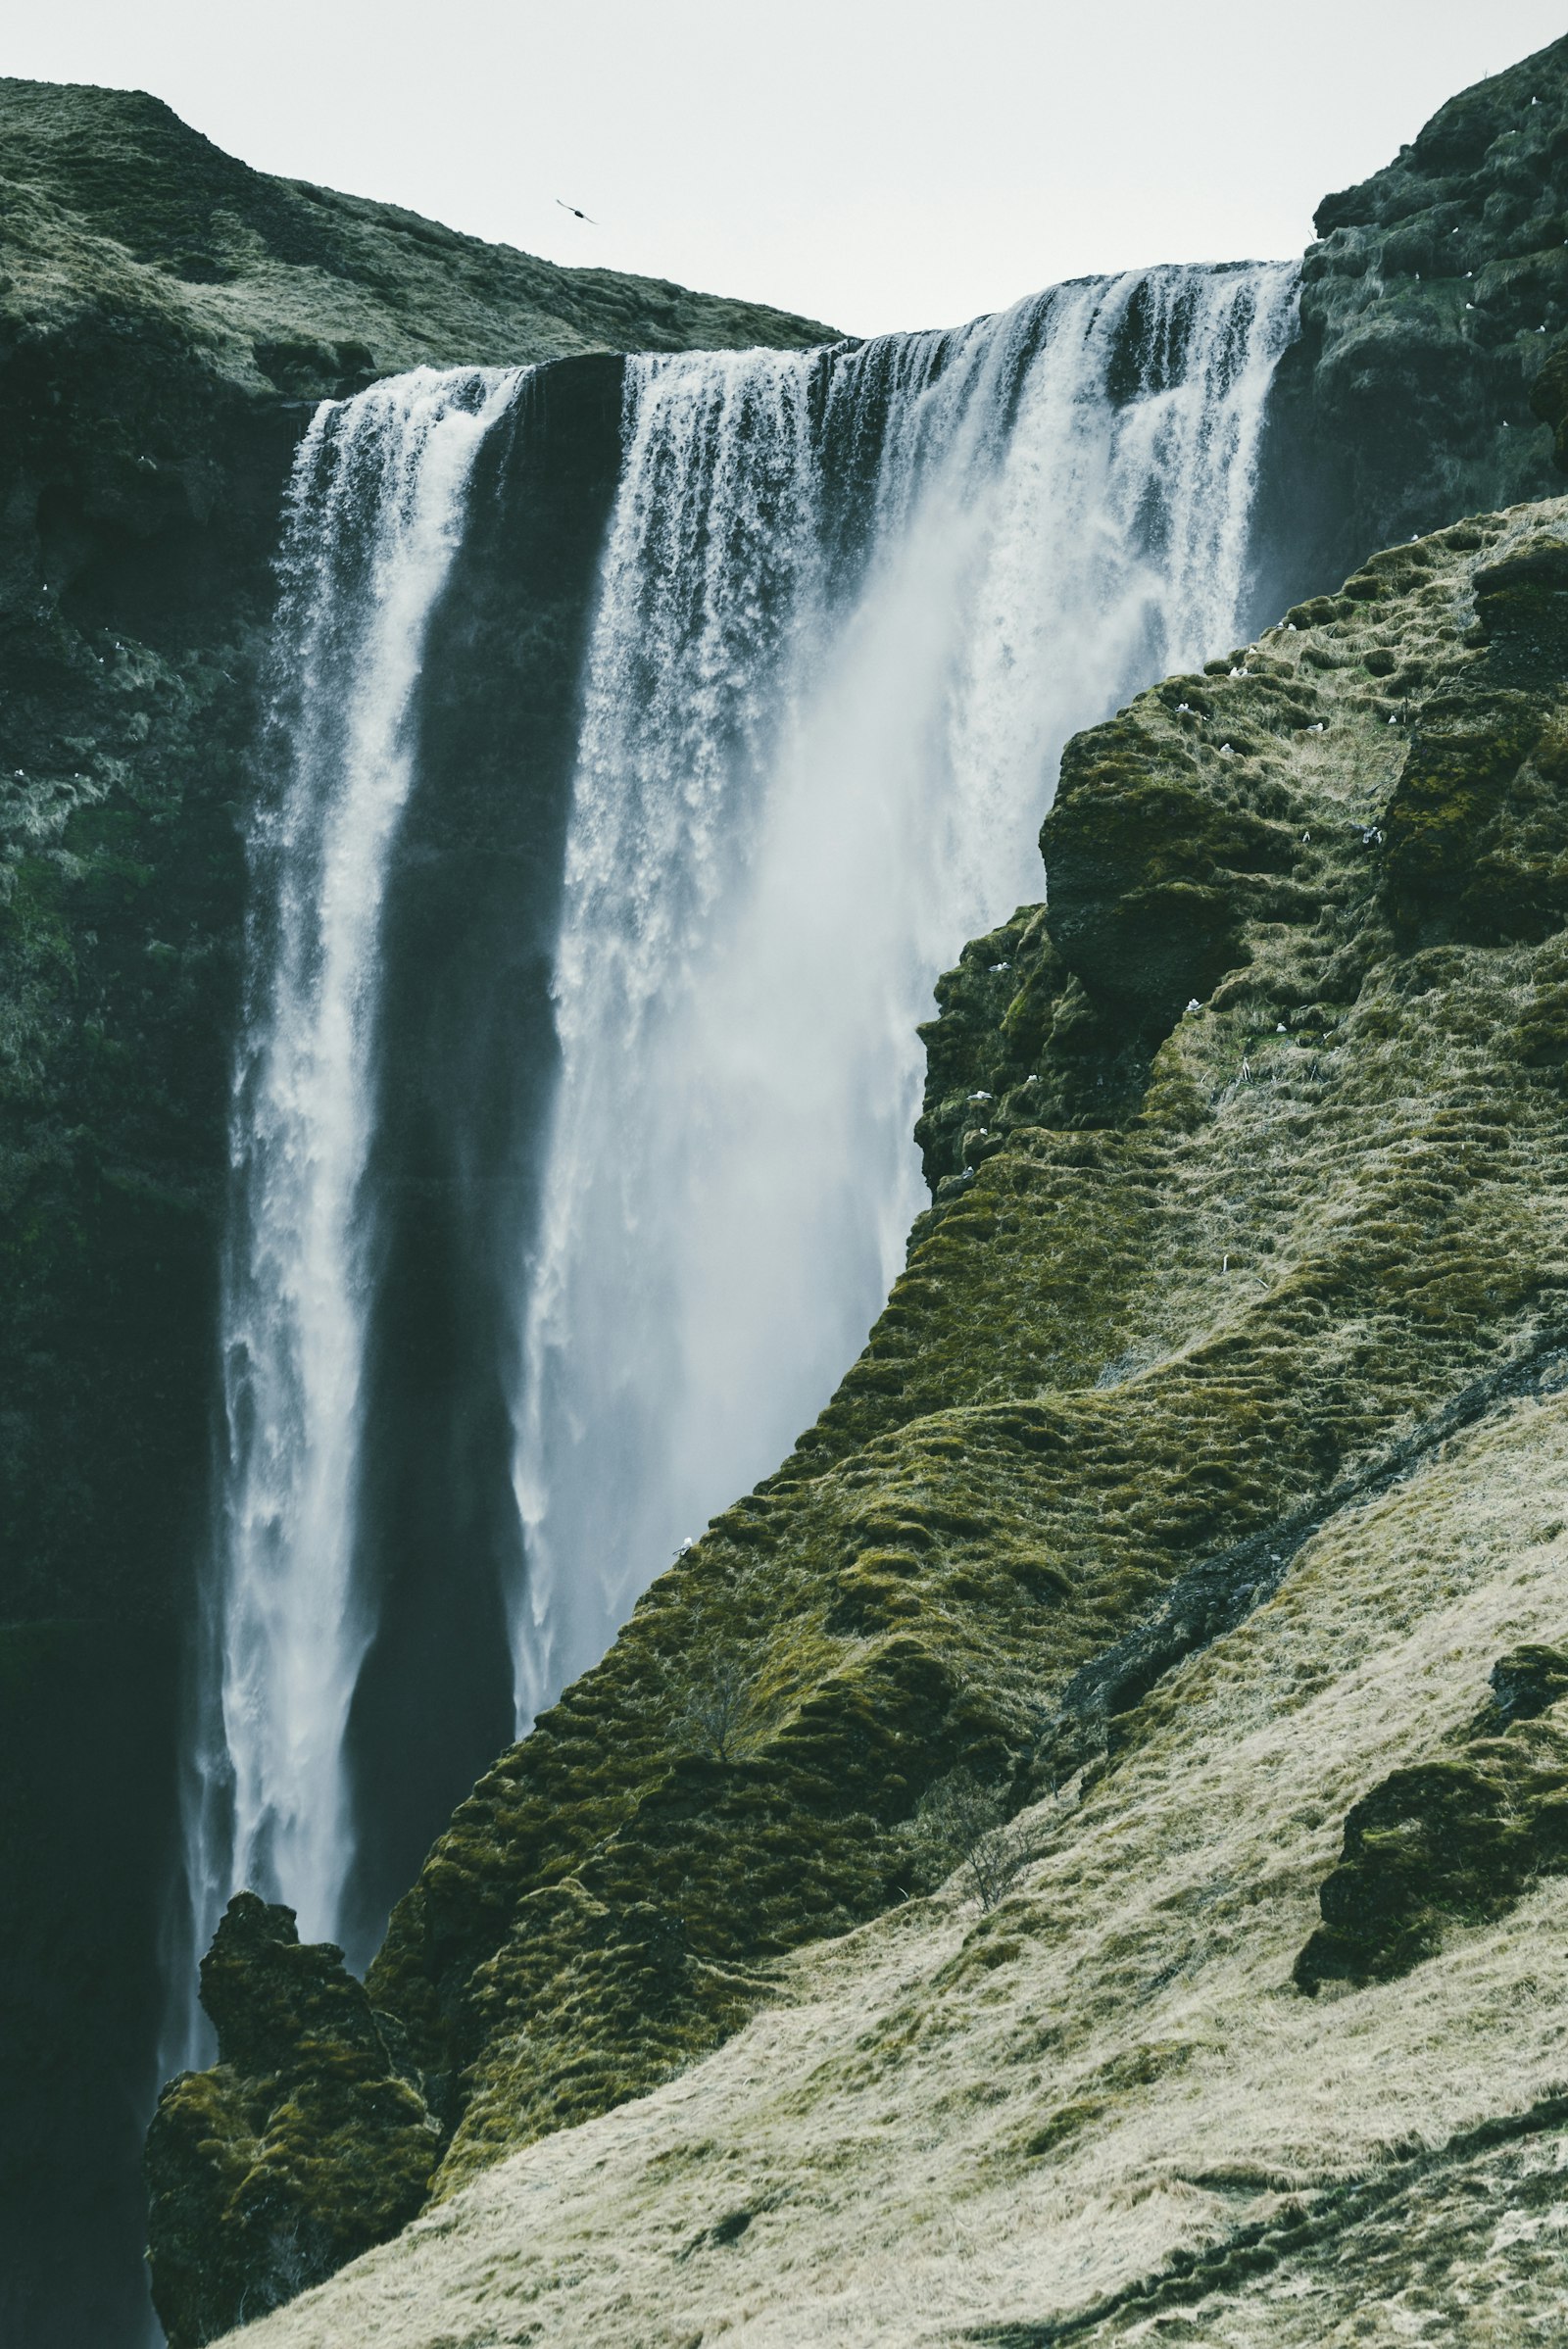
(872, 165)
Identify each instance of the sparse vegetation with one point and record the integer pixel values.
(719, 1707)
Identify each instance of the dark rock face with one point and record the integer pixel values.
(1433, 310)
(85, 1729)
(127, 628)
(1153, 871)
(1526, 1680)
(240, 2222)
(1454, 1840)
(468, 1062)
(1476, 834)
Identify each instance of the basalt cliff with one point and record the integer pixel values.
(1081, 1847)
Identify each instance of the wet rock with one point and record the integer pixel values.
(1153, 866)
(1527, 1681)
(1421, 387)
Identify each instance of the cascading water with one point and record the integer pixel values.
(852, 605)
(373, 519)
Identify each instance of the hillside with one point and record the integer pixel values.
(1200, 1492)
(110, 204)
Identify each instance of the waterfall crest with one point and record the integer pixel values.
(374, 514)
(852, 605)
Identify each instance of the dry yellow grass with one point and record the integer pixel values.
(949, 2124)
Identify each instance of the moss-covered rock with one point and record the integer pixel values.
(1427, 380)
(1157, 863)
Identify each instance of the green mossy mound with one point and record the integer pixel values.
(309, 2141)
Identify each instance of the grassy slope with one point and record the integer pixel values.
(949, 2124)
(1134, 1330)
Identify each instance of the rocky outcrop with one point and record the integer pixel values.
(246, 2213)
(1199, 1349)
(1453, 1839)
(1433, 313)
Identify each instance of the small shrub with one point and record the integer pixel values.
(962, 1826)
(715, 1711)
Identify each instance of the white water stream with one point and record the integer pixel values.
(374, 514)
(851, 609)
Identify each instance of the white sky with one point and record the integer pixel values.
(872, 164)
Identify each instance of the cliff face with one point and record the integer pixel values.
(164, 326)
(1433, 308)
(167, 319)
(1180, 1565)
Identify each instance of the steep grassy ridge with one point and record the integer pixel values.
(1103, 2112)
(1249, 1156)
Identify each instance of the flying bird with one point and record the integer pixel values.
(575, 214)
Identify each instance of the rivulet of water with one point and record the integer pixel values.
(375, 514)
(852, 605)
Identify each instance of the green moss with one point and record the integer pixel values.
(1156, 860)
(309, 2141)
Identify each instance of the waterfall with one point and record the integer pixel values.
(850, 607)
(373, 519)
